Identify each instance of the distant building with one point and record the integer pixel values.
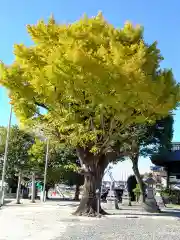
(167, 166)
(118, 184)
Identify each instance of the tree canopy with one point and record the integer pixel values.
(63, 163)
(94, 81)
(19, 144)
(27, 153)
(147, 140)
(92, 78)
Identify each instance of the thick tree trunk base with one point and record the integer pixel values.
(93, 166)
(90, 212)
(88, 208)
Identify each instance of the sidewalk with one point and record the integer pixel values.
(53, 202)
(137, 211)
(33, 221)
(68, 207)
(53, 220)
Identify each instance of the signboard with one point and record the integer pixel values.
(39, 185)
(156, 168)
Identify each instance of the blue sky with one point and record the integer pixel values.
(161, 20)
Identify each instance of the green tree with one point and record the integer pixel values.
(18, 159)
(72, 178)
(19, 144)
(66, 165)
(62, 165)
(147, 140)
(93, 80)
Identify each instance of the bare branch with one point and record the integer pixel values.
(111, 128)
(102, 122)
(92, 124)
(41, 105)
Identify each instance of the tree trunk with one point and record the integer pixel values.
(138, 178)
(18, 195)
(89, 203)
(47, 190)
(33, 188)
(116, 204)
(167, 180)
(149, 203)
(77, 192)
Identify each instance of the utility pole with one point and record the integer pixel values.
(5, 159)
(45, 170)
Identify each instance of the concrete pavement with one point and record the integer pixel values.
(53, 221)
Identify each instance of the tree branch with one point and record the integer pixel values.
(111, 128)
(102, 121)
(92, 124)
(41, 105)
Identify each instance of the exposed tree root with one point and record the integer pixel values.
(90, 212)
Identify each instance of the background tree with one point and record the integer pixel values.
(147, 140)
(63, 165)
(18, 159)
(94, 80)
(19, 144)
(66, 162)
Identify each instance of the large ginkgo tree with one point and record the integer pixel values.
(93, 80)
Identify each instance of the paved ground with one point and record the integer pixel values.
(52, 221)
(124, 229)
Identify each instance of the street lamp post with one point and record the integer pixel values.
(5, 159)
(45, 170)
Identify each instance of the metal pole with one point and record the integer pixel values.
(5, 158)
(45, 170)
